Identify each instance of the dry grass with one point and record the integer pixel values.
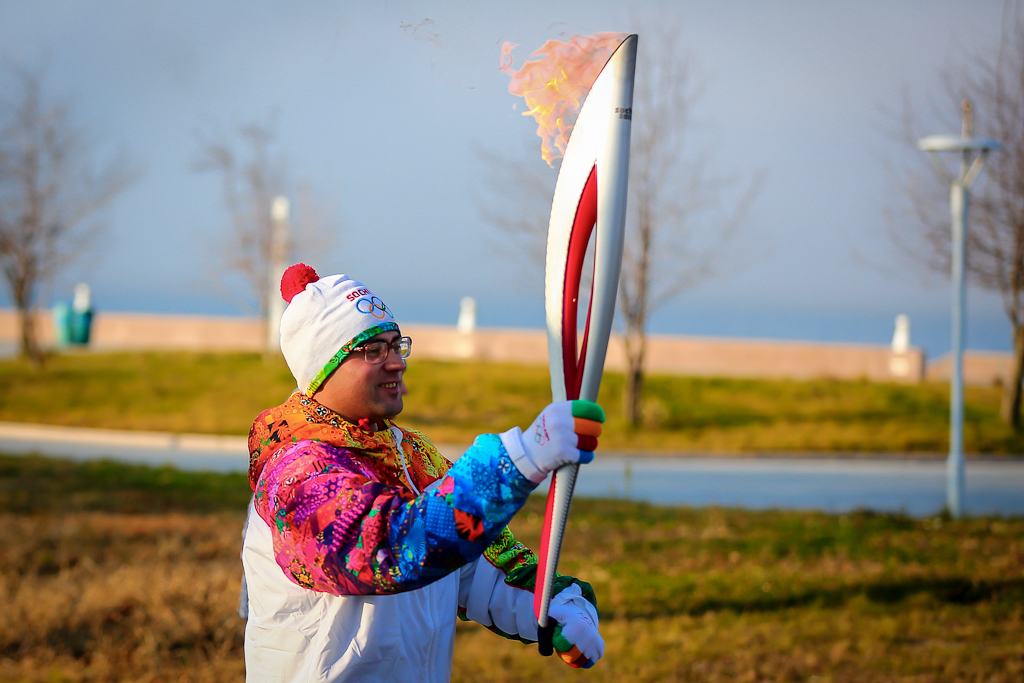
(686, 595)
(729, 595)
(851, 646)
(117, 597)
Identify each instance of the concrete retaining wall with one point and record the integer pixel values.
(111, 331)
(980, 368)
(679, 355)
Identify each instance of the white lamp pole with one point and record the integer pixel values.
(972, 156)
(279, 213)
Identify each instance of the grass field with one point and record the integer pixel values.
(452, 402)
(121, 573)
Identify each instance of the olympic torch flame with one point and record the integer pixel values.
(555, 85)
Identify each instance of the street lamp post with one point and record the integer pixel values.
(972, 156)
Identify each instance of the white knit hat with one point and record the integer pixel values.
(326, 318)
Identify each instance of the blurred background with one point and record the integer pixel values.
(770, 501)
(382, 123)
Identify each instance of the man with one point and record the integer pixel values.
(363, 543)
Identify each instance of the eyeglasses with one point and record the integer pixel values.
(377, 351)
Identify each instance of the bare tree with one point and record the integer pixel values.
(679, 223)
(52, 193)
(253, 173)
(681, 219)
(994, 84)
(517, 199)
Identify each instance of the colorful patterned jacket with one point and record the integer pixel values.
(353, 512)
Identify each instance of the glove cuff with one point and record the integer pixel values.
(512, 440)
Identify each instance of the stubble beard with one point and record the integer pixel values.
(388, 408)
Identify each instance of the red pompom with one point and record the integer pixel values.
(295, 280)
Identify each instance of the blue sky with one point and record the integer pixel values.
(383, 121)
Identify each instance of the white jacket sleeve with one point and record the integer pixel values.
(489, 601)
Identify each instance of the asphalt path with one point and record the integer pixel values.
(890, 484)
(913, 486)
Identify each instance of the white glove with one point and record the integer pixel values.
(563, 433)
(576, 639)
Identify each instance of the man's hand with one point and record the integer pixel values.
(563, 433)
(576, 638)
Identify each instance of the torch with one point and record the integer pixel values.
(590, 192)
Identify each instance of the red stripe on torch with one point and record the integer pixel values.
(582, 228)
(579, 238)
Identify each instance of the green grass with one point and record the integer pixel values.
(33, 484)
(452, 402)
(99, 587)
(207, 393)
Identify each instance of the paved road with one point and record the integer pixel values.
(917, 487)
(197, 452)
(914, 486)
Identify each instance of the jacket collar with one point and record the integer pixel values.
(301, 418)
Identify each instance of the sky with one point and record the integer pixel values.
(382, 107)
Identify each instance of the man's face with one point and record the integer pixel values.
(357, 389)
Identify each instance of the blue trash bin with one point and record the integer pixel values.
(80, 326)
(80, 320)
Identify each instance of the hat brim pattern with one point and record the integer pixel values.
(343, 353)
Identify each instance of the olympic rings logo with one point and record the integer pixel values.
(540, 432)
(373, 305)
